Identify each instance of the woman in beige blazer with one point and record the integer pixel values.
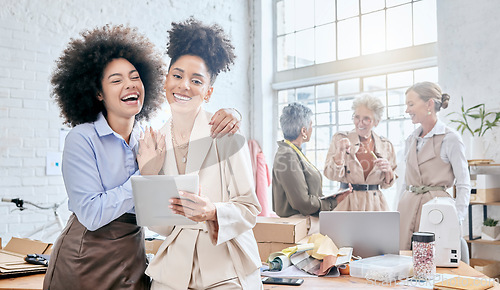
(220, 251)
(361, 160)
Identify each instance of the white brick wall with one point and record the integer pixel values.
(469, 66)
(32, 36)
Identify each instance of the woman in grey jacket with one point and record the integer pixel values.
(297, 183)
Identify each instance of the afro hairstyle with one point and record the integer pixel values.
(210, 43)
(77, 78)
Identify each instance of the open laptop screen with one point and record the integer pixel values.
(369, 233)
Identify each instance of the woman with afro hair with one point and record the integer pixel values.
(104, 83)
(219, 251)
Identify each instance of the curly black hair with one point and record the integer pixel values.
(210, 43)
(77, 78)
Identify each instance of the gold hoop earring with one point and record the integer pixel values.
(304, 137)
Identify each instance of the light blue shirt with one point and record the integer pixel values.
(97, 165)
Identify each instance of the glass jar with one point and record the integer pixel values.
(424, 251)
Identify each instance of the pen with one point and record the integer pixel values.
(373, 154)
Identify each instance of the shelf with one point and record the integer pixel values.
(481, 241)
(493, 169)
(486, 203)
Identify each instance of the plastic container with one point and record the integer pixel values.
(386, 268)
(424, 252)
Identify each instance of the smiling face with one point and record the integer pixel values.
(188, 84)
(417, 108)
(364, 121)
(122, 90)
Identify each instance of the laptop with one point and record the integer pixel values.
(369, 233)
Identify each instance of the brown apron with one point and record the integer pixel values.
(425, 168)
(112, 257)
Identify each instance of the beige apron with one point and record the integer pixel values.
(425, 168)
(112, 257)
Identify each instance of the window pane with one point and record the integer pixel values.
(285, 17)
(324, 11)
(391, 3)
(424, 22)
(304, 14)
(286, 96)
(306, 94)
(325, 91)
(402, 79)
(325, 43)
(374, 83)
(323, 138)
(325, 106)
(321, 158)
(348, 86)
(396, 97)
(285, 52)
(381, 129)
(347, 8)
(399, 32)
(371, 5)
(373, 32)
(397, 112)
(348, 38)
(304, 48)
(426, 74)
(345, 117)
(325, 119)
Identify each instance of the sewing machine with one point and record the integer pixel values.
(439, 216)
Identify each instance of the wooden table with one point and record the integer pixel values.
(348, 282)
(36, 281)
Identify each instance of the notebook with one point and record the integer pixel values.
(369, 233)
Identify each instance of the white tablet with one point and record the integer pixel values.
(152, 194)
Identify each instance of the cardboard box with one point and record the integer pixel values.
(485, 188)
(489, 268)
(280, 230)
(267, 248)
(12, 256)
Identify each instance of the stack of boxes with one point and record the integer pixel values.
(275, 234)
(485, 188)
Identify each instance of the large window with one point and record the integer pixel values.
(317, 31)
(331, 104)
(330, 51)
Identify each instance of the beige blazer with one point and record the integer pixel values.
(225, 174)
(352, 172)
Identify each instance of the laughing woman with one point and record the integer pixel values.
(220, 251)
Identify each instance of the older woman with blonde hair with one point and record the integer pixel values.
(362, 161)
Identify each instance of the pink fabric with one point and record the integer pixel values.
(261, 176)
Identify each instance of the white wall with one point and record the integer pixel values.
(469, 66)
(32, 36)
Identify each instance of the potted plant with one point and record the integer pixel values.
(477, 121)
(490, 230)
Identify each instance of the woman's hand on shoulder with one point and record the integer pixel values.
(195, 207)
(152, 150)
(225, 121)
